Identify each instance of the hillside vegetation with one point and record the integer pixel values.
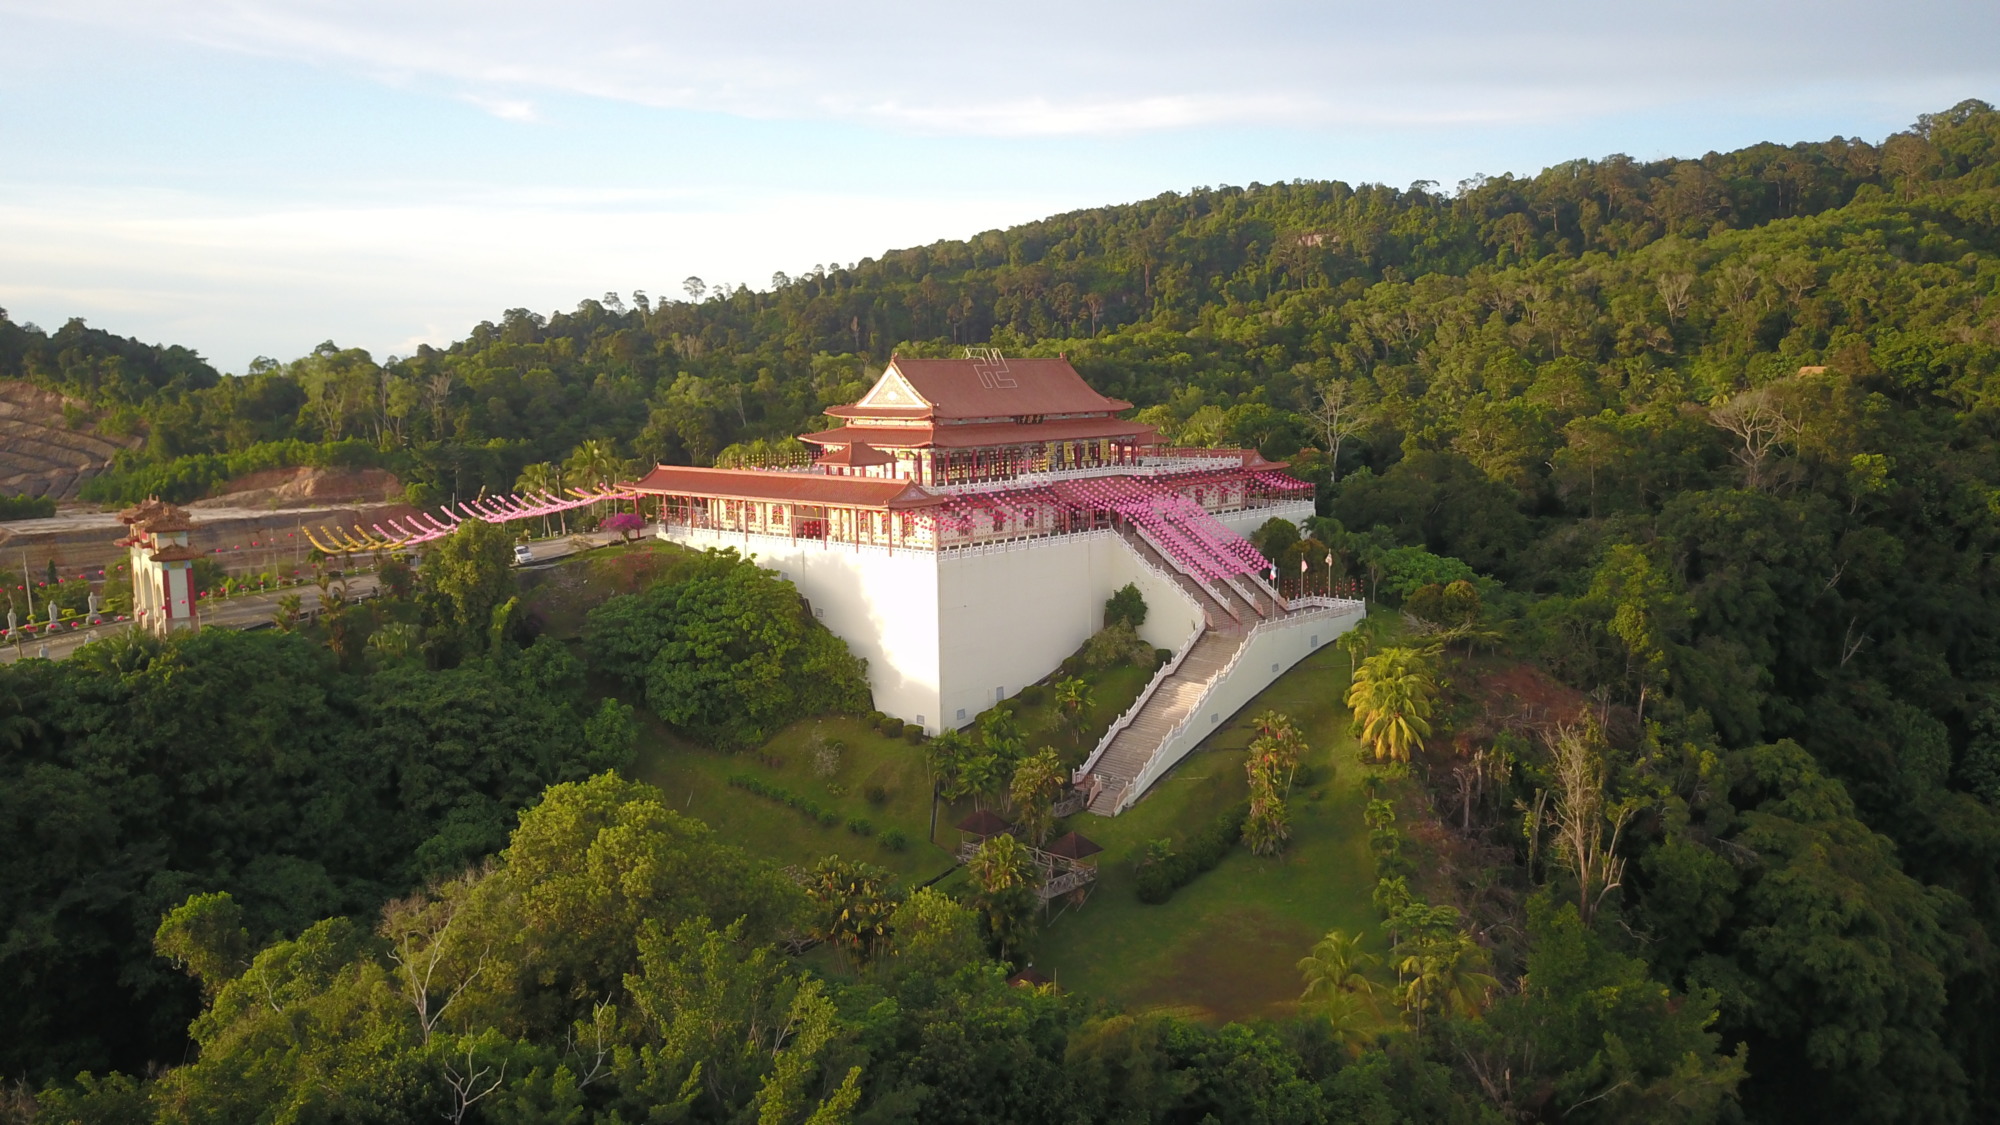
(1685, 476)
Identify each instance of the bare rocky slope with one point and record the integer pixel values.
(40, 455)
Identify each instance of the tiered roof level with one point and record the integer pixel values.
(945, 453)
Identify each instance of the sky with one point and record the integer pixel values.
(251, 178)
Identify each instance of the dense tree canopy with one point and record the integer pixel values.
(1714, 442)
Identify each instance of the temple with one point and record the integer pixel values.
(963, 523)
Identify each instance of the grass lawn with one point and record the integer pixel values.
(1224, 947)
(696, 781)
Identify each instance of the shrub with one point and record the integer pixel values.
(1161, 876)
(805, 805)
(890, 726)
(894, 840)
(876, 795)
(860, 826)
(1033, 695)
(913, 734)
(26, 507)
(1127, 607)
(1114, 645)
(780, 664)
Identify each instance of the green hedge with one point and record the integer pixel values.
(1157, 881)
(26, 507)
(805, 805)
(135, 475)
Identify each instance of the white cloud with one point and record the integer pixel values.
(507, 109)
(234, 282)
(1038, 67)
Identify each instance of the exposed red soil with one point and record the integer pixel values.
(306, 487)
(1523, 696)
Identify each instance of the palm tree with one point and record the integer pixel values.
(979, 775)
(1445, 974)
(1003, 872)
(949, 753)
(1337, 965)
(594, 464)
(1037, 782)
(1075, 701)
(1354, 642)
(543, 477)
(1337, 984)
(1391, 696)
(855, 902)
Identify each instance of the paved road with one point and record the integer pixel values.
(251, 611)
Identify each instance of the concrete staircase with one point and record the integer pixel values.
(1236, 607)
(1226, 616)
(1176, 698)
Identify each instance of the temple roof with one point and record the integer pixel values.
(991, 387)
(858, 455)
(155, 514)
(983, 434)
(178, 554)
(786, 488)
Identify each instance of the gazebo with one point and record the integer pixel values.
(1064, 870)
(1073, 846)
(1030, 977)
(984, 823)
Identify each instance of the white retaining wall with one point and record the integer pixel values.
(948, 634)
(1271, 651)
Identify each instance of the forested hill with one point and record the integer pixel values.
(1677, 279)
(1720, 439)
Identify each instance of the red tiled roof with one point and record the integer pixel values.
(858, 455)
(979, 388)
(787, 488)
(155, 514)
(980, 434)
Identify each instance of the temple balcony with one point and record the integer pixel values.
(1148, 466)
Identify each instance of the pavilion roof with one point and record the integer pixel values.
(984, 434)
(178, 554)
(1029, 977)
(785, 488)
(984, 822)
(992, 387)
(1073, 845)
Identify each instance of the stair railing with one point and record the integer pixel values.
(1172, 665)
(1250, 599)
(1279, 601)
(1154, 543)
(1208, 687)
